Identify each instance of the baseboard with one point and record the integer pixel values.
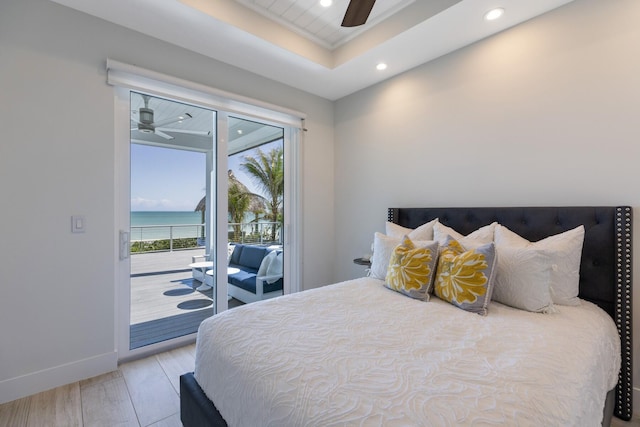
(635, 401)
(35, 382)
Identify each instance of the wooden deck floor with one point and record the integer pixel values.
(164, 301)
(163, 261)
(161, 295)
(161, 284)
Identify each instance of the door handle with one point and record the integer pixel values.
(124, 245)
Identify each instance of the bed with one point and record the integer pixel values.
(358, 367)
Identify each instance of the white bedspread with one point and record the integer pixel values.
(356, 353)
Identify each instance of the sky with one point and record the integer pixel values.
(164, 179)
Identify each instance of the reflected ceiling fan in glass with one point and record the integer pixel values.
(145, 122)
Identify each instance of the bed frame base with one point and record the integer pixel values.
(196, 410)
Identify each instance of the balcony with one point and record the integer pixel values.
(164, 301)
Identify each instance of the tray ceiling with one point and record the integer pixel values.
(322, 24)
(298, 43)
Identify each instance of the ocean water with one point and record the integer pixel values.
(180, 224)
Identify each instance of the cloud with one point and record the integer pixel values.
(142, 204)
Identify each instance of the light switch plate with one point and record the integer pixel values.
(78, 224)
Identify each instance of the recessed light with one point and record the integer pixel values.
(239, 131)
(381, 66)
(494, 14)
(326, 3)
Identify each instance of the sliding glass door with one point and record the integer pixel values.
(170, 155)
(256, 200)
(195, 185)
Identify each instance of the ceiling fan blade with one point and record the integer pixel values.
(357, 12)
(185, 131)
(162, 134)
(179, 118)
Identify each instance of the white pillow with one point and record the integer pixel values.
(565, 250)
(383, 247)
(522, 278)
(481, 236)
(423, 232)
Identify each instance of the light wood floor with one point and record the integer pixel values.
(141, 393)
(635, 422)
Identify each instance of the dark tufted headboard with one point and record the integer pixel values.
(605, 270)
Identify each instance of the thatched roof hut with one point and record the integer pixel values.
(256, 204)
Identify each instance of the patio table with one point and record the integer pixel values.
(203, 266)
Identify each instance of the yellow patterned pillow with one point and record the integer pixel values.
(412, 267)
(465, 278)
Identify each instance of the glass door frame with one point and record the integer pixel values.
(218, 217)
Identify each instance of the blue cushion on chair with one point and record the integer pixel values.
(235, 255)
(248, 258)
(244, 279)
(247, 281)
(251, 258)
(275, 286)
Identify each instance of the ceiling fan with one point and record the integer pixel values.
(145, 122)
(357, 12)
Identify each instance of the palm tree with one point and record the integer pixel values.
(267, 172)
(240, 201)
(238, 204)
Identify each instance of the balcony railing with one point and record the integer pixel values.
(157, 238)
(255, 232)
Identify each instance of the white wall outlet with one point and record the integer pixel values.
(78, 224)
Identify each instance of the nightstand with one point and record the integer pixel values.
(362, 261)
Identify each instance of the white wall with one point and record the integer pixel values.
(542, 114)
(547, 113)
(57, 159)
